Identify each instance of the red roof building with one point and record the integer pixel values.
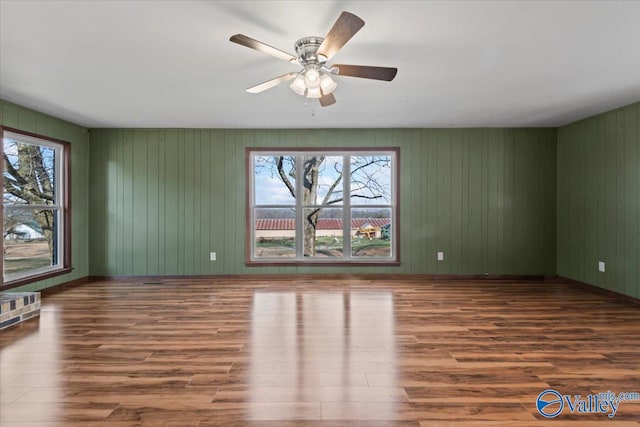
(323, 223)
(281, 227)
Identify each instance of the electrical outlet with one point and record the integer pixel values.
(601, 266)
(212, 256)
(440, 256)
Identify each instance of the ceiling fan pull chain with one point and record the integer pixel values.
(311, 102)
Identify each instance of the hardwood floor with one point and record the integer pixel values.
(318, 352)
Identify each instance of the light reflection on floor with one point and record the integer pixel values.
(31, 367)
(315, 349)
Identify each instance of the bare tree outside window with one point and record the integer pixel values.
(29, 180)
(33, 206)
(324, 186)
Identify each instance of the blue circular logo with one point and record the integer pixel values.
(549, 403)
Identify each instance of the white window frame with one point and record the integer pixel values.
(347, 258)
(60, 206)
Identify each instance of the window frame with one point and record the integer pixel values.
(63, 206)
(349, 260)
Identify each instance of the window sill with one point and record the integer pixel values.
(35, 278)
(289, 263)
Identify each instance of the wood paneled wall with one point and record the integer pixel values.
(17, 117)
(162, 199)
(599, 200)
(157, 201)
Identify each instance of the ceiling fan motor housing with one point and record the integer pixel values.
(306, 49)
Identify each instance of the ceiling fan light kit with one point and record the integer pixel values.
(315, 79)
(312, 81)
(327, 84)
(298, 85)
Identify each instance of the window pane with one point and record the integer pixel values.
(370, 180)
(372, 233)
(34, 210)
(29, 175)
(322, 229)
(274, 180)
(30, 241)
(322, 180)
(274, 233)
(322, 205)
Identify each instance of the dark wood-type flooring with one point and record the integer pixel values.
(318, 352)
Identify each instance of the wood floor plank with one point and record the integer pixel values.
(310, 393)
(318, 352)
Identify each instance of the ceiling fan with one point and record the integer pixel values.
(315, 79)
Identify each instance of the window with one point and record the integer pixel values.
(36, 221)
(322, 206)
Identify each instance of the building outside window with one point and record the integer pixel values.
(322, 206)
(36, 222)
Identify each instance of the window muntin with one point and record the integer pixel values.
(312, 228)
(35, 212)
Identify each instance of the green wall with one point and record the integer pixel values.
(27, 120)
(162, 199)
(599, 200)
(157, 201)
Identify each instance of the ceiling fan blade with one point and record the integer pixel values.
(326, 100)
(366, 72)
(247, 41)
(344, 28)
(272, 83)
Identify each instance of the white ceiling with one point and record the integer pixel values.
(460, 64)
